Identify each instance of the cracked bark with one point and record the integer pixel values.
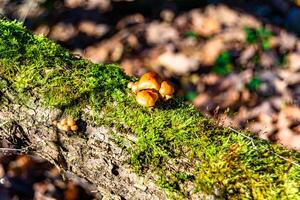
(92, 153)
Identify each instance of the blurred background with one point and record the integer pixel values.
(236, 61)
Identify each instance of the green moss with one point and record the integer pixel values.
(260, 36)
(175, 141)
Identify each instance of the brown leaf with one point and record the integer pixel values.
(158, 33)
(62, 32)
(211, 51)
(92, 29)
(206, 26)
(293, 60)
(178, 63)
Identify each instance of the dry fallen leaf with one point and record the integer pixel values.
(292, 112)
(201, 100)
(273, 41)
(226, 16)
(157, 33)
(42, 30)
(178, 63)
(247, 54)
(228, 98)
(211, 51)
(289, 77)
(167, 15)
(73, 3)
(92, 29)
(210, 79)
(131, 66)
(282, 121)
(206, 26)
(130, 20)
(62, 31)
(96, 54)
(288, 139)
(117, 52)
(293, 60)
(287, 41)
(233, 35)
(268, 59)
(249, 21)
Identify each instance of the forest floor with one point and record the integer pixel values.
(237, 65)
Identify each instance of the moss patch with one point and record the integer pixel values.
(175, 141)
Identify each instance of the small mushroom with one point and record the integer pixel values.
(65, 128)
(133, 86)
(130, 84)
(71, 122)
(63, 121)
(74, 128)
(67, 124)
(147, 98)
(150, 80)
(166, 90)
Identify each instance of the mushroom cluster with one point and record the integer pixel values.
(150, 88)
(67, 124)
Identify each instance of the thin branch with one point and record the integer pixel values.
(251, 139)
(31, 4)
(246, 136)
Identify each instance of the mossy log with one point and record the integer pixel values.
(128, 151)
(91, 153)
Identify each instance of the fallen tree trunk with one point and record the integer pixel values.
(93, 156)
(128, 152)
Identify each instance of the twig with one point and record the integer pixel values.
(31, 4)
(11, 149)
(286, 159)
(246, 136)
(251, 139)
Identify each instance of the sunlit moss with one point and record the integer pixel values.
(220, 162)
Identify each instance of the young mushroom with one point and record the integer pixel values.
(63, 121)
(133, 86)
(65, 128)
(62, 124)
(74, 128)
(147, 98)
(130, 84)
(149, 88)
(71, 121)
(166, 90)
(67, 124)
(150, 80)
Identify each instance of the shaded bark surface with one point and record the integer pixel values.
(92, 153)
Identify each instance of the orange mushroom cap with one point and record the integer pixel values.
(71, 121)
(65, 128)
(147, 98)
(63, 121)
(74, 128)
(166, 90)
(149, 80)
